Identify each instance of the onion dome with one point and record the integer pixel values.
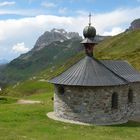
(89, 32)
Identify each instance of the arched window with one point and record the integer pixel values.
(114, 100)
(130, 96)
(60, 89)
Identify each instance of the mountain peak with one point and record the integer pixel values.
(54, 35)
(61, 31)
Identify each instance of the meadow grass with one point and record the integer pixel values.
(29, 122)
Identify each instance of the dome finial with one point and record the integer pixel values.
(90, 19)
(89, 42)
(89, 31)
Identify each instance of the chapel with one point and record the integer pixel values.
(94, 91)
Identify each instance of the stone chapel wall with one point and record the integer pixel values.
(93, 104)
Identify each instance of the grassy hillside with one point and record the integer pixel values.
(125, 46)
(38, 83)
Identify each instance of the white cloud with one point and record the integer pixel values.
(48, 4)
(26, 28)
(118, 18)
(7, 3)
(20, 48)
(1, 35)
(114, 31)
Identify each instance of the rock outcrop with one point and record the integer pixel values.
(135, 24)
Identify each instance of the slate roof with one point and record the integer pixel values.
(92, 72)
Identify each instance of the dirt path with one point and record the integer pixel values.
(28, 102)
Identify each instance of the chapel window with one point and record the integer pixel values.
(130, 96)
(61, 89)
(114, 100)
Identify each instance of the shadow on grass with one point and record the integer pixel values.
(7, 100)
(128, 124)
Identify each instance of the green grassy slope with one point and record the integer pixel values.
(38, 83)
(125, 46)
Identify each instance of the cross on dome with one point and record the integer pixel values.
(90, 19)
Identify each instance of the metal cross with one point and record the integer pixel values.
(90, 19)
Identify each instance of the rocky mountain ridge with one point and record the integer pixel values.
(54, 35)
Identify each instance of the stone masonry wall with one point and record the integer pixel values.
(136, 90)
(94, 104)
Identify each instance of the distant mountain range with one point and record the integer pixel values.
(52, 48)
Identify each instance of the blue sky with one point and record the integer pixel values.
(60, 7)
(23, 21)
